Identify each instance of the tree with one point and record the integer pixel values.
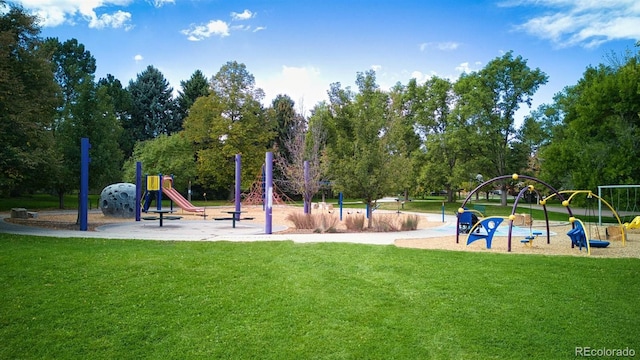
(122, 104)
(87, 111)
(227, 122)
(403, 137)
(192, 89)
(362, 161)
(287, 124)
(154, 111)
(299, 144)
(444, 134)
(28, 99)
(168, 155)
(597, 141)
(491, 97)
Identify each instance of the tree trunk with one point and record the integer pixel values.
(369, 214)
(60, 199)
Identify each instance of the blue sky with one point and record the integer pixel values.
(299, 47)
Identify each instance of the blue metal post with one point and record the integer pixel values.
(238, 180)
(340, 204)
(84, 183)
(159, 194)
(138, 189)
(307, 206)
(269, 192)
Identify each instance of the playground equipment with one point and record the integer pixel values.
(484, 229)
(512, 217)
(626, 199)
(118, 200)
(590, 196)
(531, 193)
(158, 185)
(580, 238)
(634, 224)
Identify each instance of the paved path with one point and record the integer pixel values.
(210, 230)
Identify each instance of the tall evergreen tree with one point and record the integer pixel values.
(192, 89)
(153, 110)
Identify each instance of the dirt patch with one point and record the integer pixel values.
(559, 244)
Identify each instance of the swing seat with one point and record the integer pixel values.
(579, 238)
(598, 243)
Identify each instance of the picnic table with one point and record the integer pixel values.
(161, 213)
(235, 216)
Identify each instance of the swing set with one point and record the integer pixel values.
(490, 224)
(580, 234)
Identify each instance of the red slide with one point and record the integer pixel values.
(183, 203)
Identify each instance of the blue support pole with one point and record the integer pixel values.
(269, 192)
(138, 189)
(238, 181)
(307, 205)
(340, 204)
(84, 183)
(159, 194)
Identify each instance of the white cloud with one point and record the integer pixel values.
(161, 3)
(441, 46)
(466, 67)
(376, 68)
(54, 13)
(304, 85)
(119, 19)
(219, 27)
(587, 23)
(245, 15)
(138, 58)
(201, 32)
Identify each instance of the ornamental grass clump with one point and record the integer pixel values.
(354, 222)
(326, 223)
(410, 222)
(302, 221)
(386, 223)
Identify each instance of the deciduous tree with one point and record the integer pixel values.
(28, 99)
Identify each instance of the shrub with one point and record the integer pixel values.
(327, 223)
(385, 222)
(319, 223)
(302, 221)
(410, 222)
(354, 222)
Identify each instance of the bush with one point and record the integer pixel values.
(327, 223)
(385, 222)
(354, 222)
(302, 221)
(410, 222)
(319, 223)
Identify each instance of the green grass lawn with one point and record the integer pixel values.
(111, 299)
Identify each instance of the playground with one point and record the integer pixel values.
(432, 233)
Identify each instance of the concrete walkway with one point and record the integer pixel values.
(210, 230)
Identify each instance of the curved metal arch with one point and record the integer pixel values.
(590, 193)
(503, 177)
